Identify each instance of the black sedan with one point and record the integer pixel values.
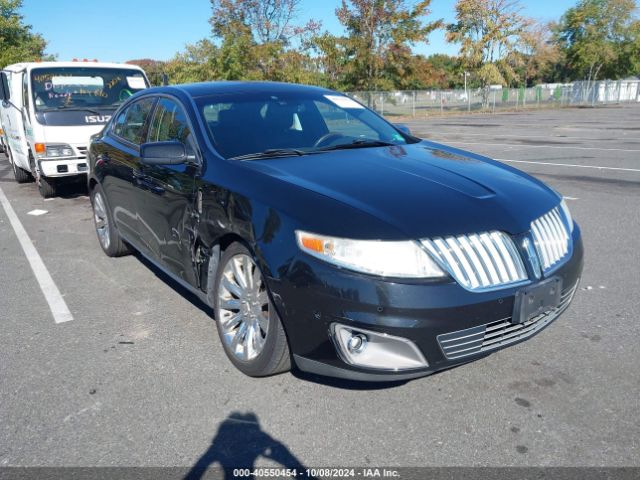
(322, 235)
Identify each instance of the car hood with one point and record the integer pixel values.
(423, 190)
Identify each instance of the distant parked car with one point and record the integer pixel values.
(322, 235)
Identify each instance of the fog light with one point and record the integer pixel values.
(365, 348)
(357, 343)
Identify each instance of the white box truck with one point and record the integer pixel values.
(50, 110)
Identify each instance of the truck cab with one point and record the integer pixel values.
(50, 110)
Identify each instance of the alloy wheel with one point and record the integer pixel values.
(243, 308)
(101, 220)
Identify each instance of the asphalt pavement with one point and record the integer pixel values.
(138, 377)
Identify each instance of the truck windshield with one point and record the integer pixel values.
(82, 88)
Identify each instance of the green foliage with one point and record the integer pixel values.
(260, 40)
(489, 33)
(153, 68)
(376, 52)
(17, 42)
(257, 37)
(447, 71)
(600, 38)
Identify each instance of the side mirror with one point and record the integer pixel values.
(403, 128)
(5, 92)
(163, 153)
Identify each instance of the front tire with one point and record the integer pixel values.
(21, 175)
(47, 187)
(109, 238)
(248, 325)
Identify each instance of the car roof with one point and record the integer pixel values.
(204, 89)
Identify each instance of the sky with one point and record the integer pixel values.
(121, 30)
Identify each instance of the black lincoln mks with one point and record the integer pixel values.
(323, 236)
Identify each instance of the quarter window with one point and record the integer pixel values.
(130, 123)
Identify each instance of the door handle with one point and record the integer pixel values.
(147, 182)
(154, 188)
(139, 179)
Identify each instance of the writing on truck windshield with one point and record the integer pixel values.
(83, 88)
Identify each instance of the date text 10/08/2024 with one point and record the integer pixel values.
(316, 472)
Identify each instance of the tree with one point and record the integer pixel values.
(489, 33)
(155, 69)
(600, 38)
(540, 55)
(448, 69)
(380, 33)
(254, 36)
(17, 42)
(629, 56)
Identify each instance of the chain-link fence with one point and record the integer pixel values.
(427, 102)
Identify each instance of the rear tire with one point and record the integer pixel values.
(249, 327)
(21, 175)
(108, 236)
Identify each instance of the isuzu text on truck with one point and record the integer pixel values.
(51, 109)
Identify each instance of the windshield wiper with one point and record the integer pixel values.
(73, 108)
(360, 143)
(271, 153)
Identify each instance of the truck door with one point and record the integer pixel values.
(13, 120)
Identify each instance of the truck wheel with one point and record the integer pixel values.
(21, 175)
(47, 187)
(248, 325)
(109, 238)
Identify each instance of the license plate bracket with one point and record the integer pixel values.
(537, 299)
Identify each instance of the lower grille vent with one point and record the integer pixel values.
(483, 338)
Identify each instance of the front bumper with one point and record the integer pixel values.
(63, 167)
(433, 315)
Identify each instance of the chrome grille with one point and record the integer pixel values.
(551, 238)
(483, 338)
(479, 261)
(82, 152)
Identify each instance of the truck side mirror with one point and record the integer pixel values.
(5, 93)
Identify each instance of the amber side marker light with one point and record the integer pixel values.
(315, 244)
(40, 148)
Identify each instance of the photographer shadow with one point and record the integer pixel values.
(238, 443)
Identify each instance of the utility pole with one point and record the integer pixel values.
(466, 94)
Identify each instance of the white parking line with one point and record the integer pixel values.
(543, 146)
(463, 133)
(51, 293)
(597, 167)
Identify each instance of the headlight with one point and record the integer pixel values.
(567, 214)
(61, 150)
(388, 259)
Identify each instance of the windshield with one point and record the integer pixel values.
(298, 122)
(60, 88)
